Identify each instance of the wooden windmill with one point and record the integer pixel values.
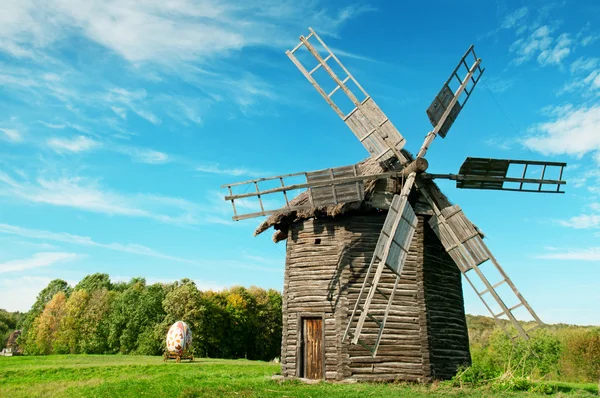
(375, 251)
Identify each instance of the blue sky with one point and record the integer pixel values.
(120, 120)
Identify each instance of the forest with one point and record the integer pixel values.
(100, 317)
(97, 316)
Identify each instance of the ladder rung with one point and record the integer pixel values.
(313, 70)
(514, 307)
(493, 287)
(385, 296)
(365, 346)
(338, 87)
(370, 133)
(371, 317)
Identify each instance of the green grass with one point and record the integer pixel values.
(135, 376)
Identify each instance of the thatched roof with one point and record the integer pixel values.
(11, 342)
(281, 220)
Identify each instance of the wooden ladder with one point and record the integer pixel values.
(505, 310)
(469, 253)
(364, 307)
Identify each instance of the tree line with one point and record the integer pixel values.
(100, 317)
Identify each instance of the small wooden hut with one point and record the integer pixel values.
(328, 252)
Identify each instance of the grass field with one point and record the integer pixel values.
(116, 376)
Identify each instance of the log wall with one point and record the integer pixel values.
(325, 265)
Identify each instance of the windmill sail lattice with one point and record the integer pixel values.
(366, 120)
(464, 244)
(391, 251)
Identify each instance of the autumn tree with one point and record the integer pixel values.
(45, 327)
(69, 335)
(43, 298)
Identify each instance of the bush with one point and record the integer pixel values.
(581, 358)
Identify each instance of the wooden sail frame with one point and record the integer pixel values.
(484, 173)
(366, 120)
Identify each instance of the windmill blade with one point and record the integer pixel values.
(446, 106)
(391, 251)
(466, 247)
(532, 176)
(323, 188)
(366, 120)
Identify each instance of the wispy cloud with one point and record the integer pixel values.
(79, 240)
(583, 64)
(556, 54)
(584, 221)
(88, 195)
(43, 259)
(18, 294)
(179, 30)
(538, 42)
(587, 254)
(76, 144)
(11, 135)
(215, 168)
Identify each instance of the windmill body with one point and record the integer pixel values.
(376, 253)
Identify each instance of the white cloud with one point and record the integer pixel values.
(498, 85)
(163, 32)
(584, 221)
(88, 195)
(586, 41)
(587, 85)
(215, 168)
(583, 64)
(574, 131)
(589, 254)
(515, 18)
(79, 240)
(144, 155)
(43, 259)
(556, 54)
(133, 100)
(19, 294)
(11, 135)
(119, 111)
(76, 144)
(537, 42)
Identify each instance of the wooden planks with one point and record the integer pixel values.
(446, 106)
(312, 329)
(468, 238)
(335, 193)
(483, 173)
(324, 280)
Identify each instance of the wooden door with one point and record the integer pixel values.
(313, 348)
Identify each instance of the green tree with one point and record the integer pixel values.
(95, 322)
(133, 317)
(94, 282)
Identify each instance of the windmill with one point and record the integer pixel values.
(345, 206)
